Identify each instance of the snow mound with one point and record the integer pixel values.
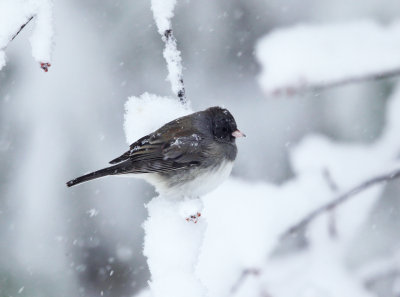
(307, 56)
(148, 112)
(172, 246)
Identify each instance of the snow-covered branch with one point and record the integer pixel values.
(341, 199)
(173, 58)
(315, 57)
(163, 12)
(256, 272)
(15, 15)
(352, 80)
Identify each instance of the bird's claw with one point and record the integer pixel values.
(45, 66)
(194, 218)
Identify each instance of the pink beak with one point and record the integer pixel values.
(237, 134)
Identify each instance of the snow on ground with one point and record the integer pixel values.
(15, 13)
(241, 222)
(315, 55)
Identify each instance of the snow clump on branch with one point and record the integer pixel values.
(318, 56)
(15, 14)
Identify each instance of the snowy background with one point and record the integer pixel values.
(304, 148)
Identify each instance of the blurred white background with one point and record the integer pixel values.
(87, 241)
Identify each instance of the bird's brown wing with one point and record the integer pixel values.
(152, 153)
(147, 144)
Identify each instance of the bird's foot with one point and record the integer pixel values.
(190, 209)
(45, 66)
(194, 218)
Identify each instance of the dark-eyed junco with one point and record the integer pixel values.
(189, 156)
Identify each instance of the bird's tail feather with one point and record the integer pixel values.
(116, 169)
(121, 158)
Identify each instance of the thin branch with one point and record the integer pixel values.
(22, 27)
(292, 90)
(44, 65)
(335, 189)
(329, 180)
(341, 199)
(244, 275)
(384, 276)
(358, 79)
(19, 30)
(170, 41)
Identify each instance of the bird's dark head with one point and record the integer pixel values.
(223, 124)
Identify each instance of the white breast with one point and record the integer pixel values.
(205, 181)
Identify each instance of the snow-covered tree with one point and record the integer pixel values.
(295, 217)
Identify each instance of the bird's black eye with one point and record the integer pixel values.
(223, 124)
(222, 130)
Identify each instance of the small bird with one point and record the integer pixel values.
(187, 157)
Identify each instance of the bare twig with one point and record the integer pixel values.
(384, 276)
(44, 65)
(329, 180)
(22, 27)
(334, 188)
(358, 79)
(339, 200)
(16, 34)
(245, 274)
